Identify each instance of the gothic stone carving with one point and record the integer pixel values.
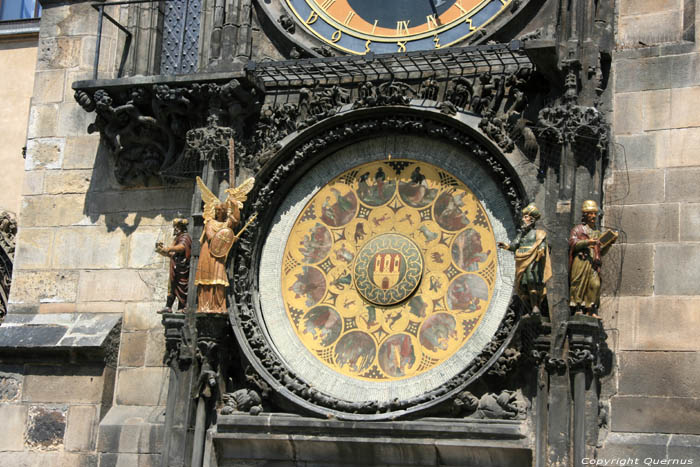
(248, 321)
(8, 230)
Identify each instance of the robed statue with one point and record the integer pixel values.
(220, 218)
(179, 252)
(533, 267)
(586, 247)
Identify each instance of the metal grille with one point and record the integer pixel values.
(180, 37)
(442, 63)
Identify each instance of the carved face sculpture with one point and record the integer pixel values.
(220, 212)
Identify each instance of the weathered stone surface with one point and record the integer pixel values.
(48, 86)
(44, 153)
(673, 374)
(33, 247)
(68, 181)
(52, 210)
(122, 285)
(675, 269)
(656, 106)
(80, 431)
(629, 117)
(11, 379)
(141, 248)
(142, 386)
(33, 183)
(58, 53)
(640, 7)
(652, 323)
(684, 102)
(635, 187)
(657, 28)
(43, 121)
(47, 459)
(643, 74)
(172, 199)
(655, 414)
(648, 446)
(628, 270)
(73, 120)
(681, 185)
(88, 247)
(132, 349)
(685, 70)
(684, 144)
(58, 308)
(44, 286)
(632, 152)
(74, 384)
(129, 460)
(690, 222)
(155, 347)
(132, 429)
(46, 427)
(646, 223)
(80, 152)
(63, 331)
(101, 307)
(14, 418)
(142, 316)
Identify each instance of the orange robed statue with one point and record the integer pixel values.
(216, 241)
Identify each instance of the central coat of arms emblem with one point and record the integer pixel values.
(388, 269)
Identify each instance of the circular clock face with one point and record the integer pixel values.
(362, 26)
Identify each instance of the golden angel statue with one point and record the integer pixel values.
(216, 241)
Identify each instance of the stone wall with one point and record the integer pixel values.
(19, 57)
(652, 308)
(85, 246)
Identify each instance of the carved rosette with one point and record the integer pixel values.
(248, 325)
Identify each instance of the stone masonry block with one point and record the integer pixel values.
(48, 86)
(635, 187)
(48, 459)
(43, 121)
(690, 222)
(141, 248)
(63, 384)
(682, 185)
(142, 316)
(645, 223)
(33, 248)
(655, 414)
(100, 307)
(88, 247)
(132, 429)
(129, 460)
(46, 427)
(140, 200)
(676, 269)
(81, 428)
(655, 28)
(11, 380)
(672, 374)
(629, 116)
(683, 149)
(69, 20)
(656, 106)
(73, 120)
(52, 210)
(43, 286)
(643, 74)
(14, 418)
(121, 285)
(155, 348)
(132, 348)
(641, 7)
(58, 53)
(685, 102)
(44, 153)
(67, 181)
(660, 323)
(685, 71)
(33, 183)
(80, 152)
(633, 152)
(628, 270)
(142, 386)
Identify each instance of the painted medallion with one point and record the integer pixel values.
(389, 269)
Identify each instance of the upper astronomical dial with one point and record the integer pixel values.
(362, 26)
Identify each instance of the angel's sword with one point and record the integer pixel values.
(252, 218)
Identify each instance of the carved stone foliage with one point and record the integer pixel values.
(144, 126)
(8, 231)
(246, 312)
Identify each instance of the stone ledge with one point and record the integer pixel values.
(57, 333)
(656, 446)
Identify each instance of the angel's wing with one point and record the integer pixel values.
(240, 193)
(209, 198)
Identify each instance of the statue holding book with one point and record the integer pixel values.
(586, 248)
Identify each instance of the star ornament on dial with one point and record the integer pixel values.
(386, 26)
